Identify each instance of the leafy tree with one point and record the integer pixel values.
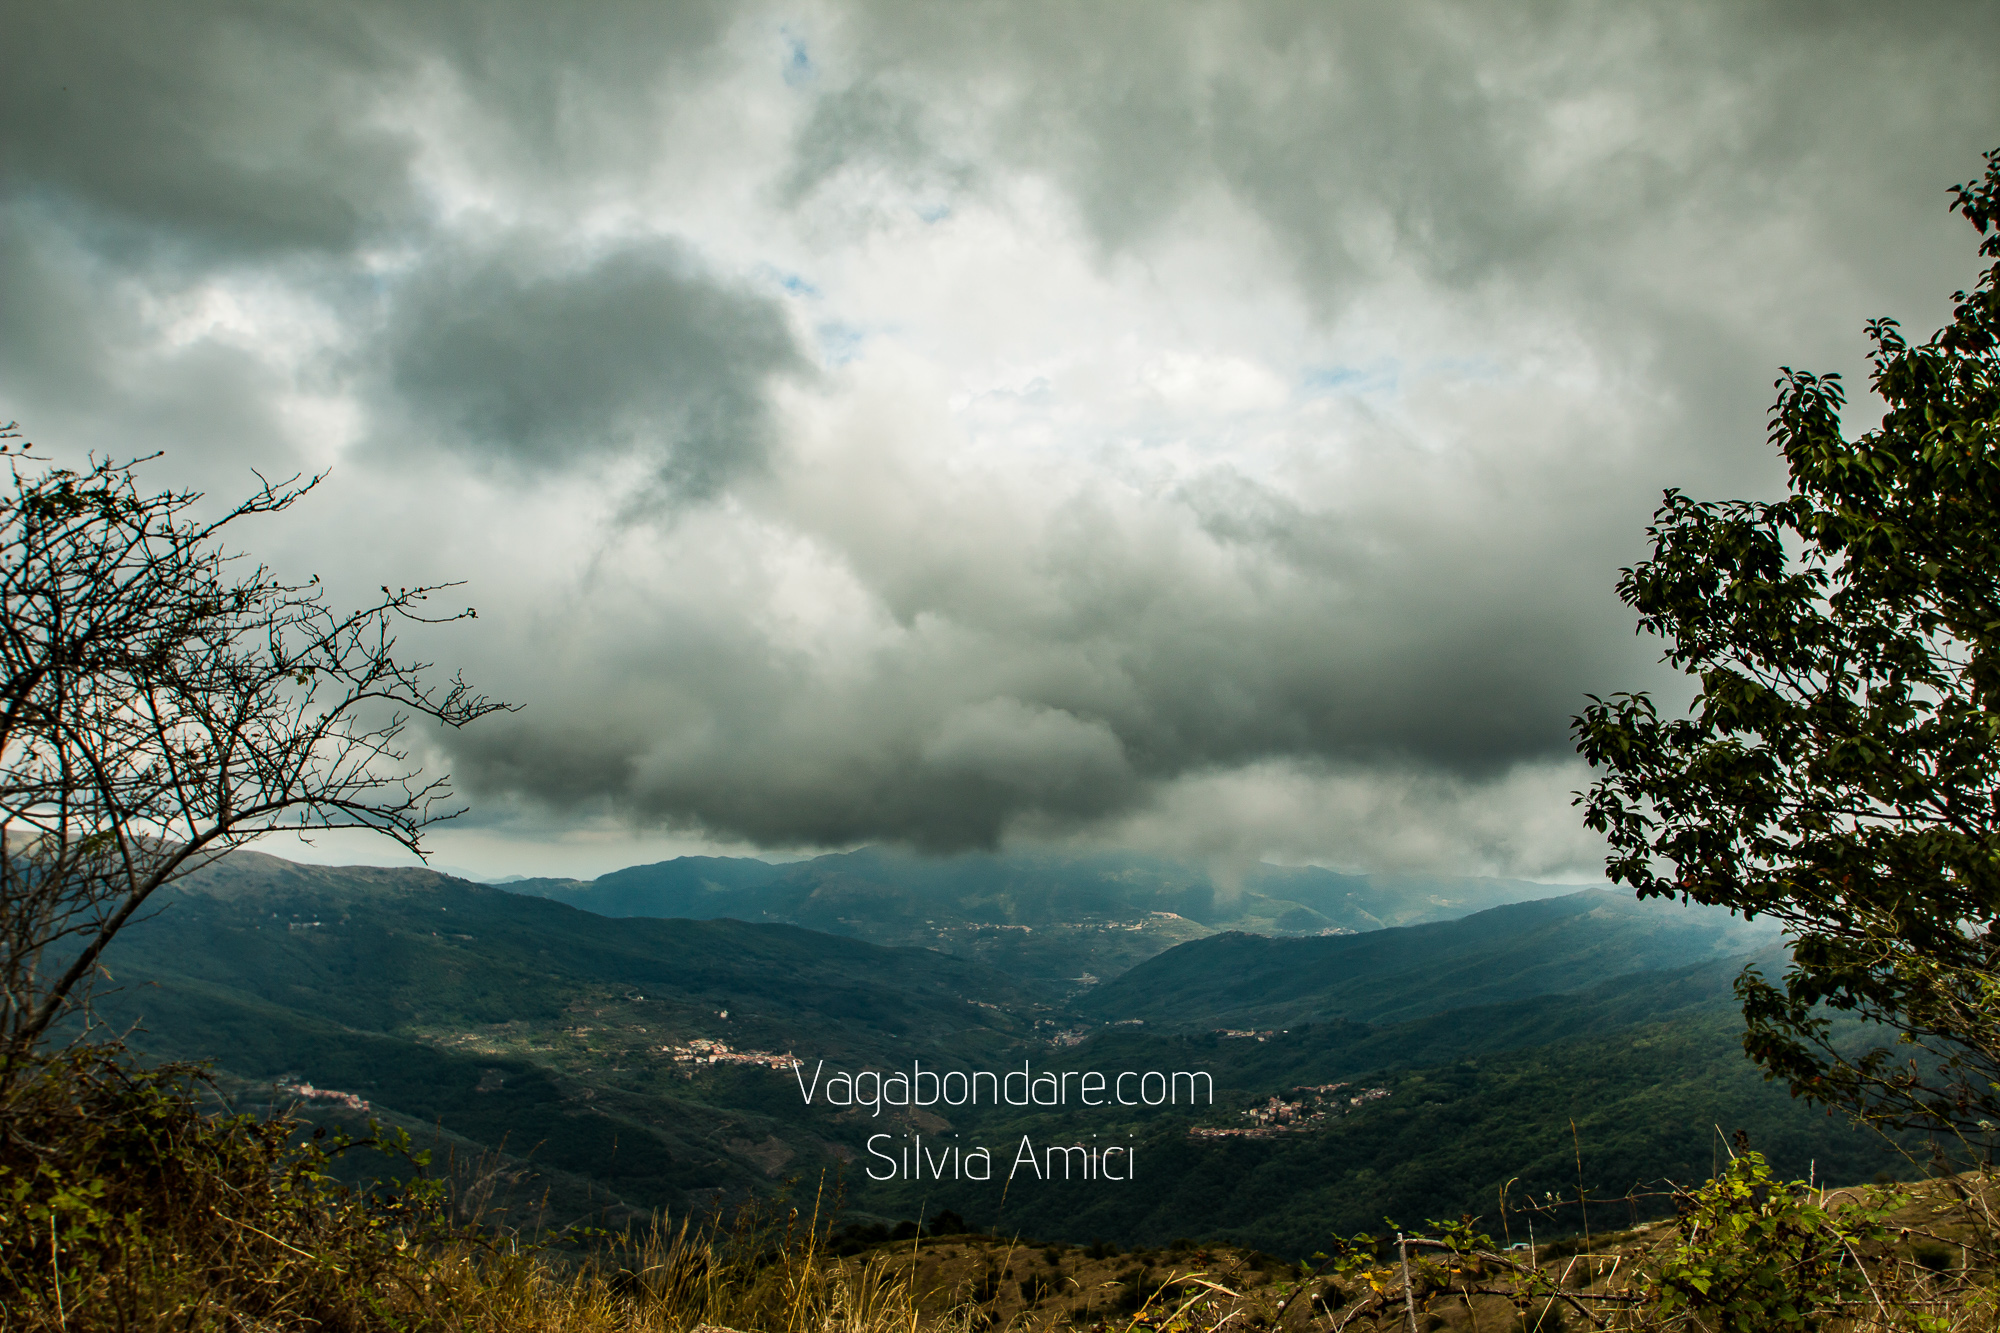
(1839, 768)
(162, 703)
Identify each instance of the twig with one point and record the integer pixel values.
(1409, 1300)
(1847, 1245)
(55, 1267)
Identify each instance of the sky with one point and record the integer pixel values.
(1206, 429)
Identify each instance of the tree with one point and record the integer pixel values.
(162, 703)
(1839, 768)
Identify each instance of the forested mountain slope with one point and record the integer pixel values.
(1504, 953)
(641, 1063)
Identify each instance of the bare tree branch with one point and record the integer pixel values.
(162, 703)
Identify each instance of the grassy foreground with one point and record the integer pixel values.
(125, 1205)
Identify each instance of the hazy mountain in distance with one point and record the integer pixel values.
(1074, 918)
(1549, 946)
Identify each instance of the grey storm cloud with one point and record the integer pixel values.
(153, 148)
(1473, 139)
(232, 129)
(548, 367)
(848, 626)
(1133, 651)
(240, 129)
(1577, 156)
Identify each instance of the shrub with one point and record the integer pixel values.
(121, 1201)
(1755, 1254)
(125, 1205)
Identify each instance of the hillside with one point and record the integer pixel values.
(1549, 946)
(577, 1047)
(382, 948)
(1436, 1140)
(510, 1019)
(1646, 1065)
(1074, 920)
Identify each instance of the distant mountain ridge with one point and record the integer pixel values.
(393, 948)
(1091, 915)
(1550, 946)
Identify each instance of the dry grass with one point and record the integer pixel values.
(675, 1279)
(1928, 1265)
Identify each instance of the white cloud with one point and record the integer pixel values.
(1207, 428)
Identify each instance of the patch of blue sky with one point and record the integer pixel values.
(839, 343)
(933, 213)
(1326, 378)
(798, 61)
(1324, 381)
(793, 284)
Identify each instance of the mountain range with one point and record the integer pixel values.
(1071, 920)
(1550, 946)
(614, 1064)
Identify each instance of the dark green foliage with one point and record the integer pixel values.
(856, 1238)
(1754, 1253)
(1839, 769)
(1645, 1100)
(122, 1201)
(1937, 1258)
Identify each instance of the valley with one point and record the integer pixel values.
(616, 1064)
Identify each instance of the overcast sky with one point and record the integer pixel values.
(1210, 429)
